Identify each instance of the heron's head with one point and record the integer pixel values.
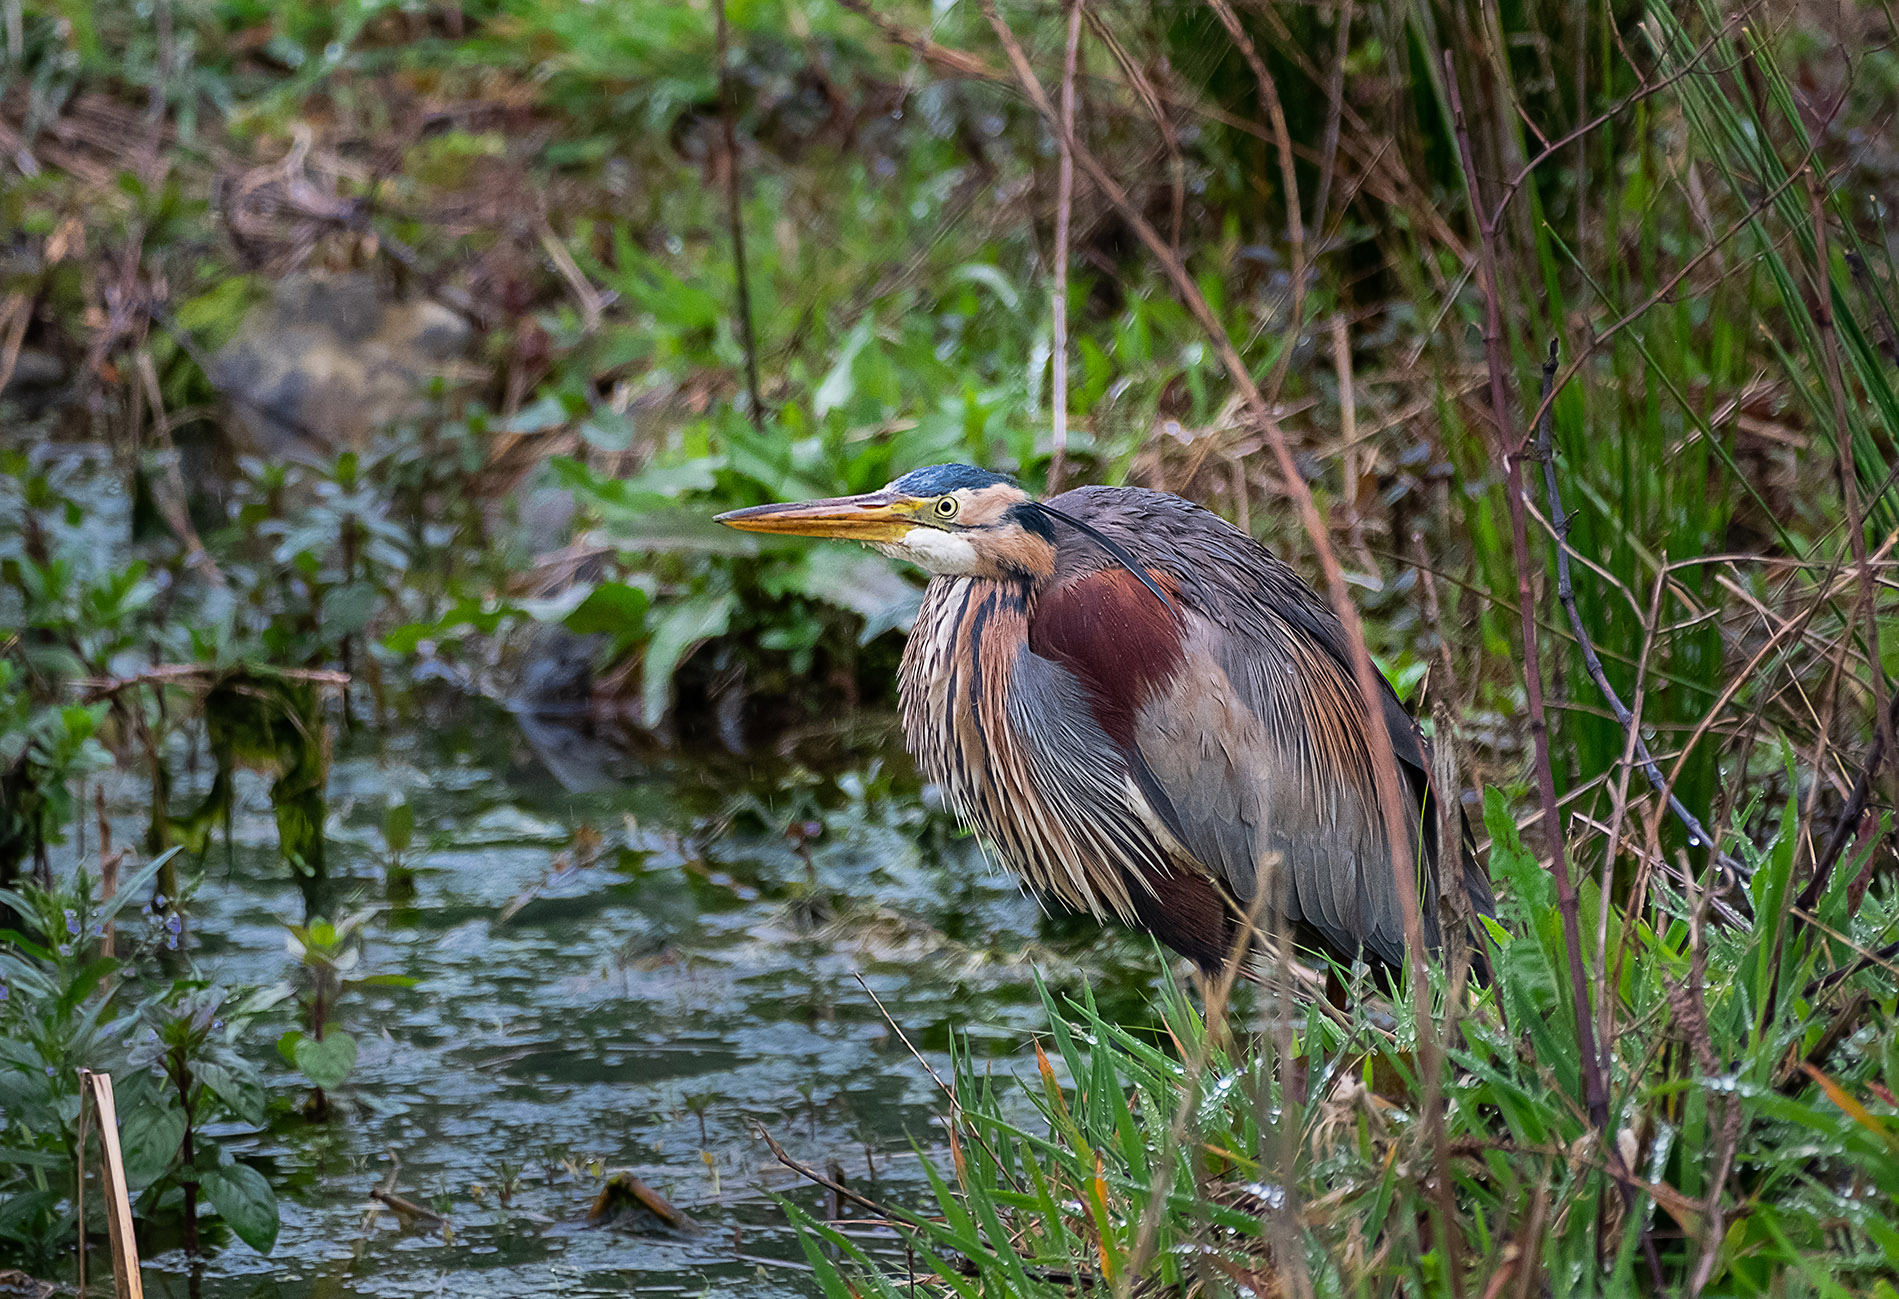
(950, 520)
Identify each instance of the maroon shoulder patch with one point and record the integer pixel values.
(1110, 631)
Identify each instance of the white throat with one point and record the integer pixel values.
(944, 554)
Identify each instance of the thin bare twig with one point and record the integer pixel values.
(1848, 820)
(1888, 334)
(1849, 470)
(1566, 592)
(1288, 177)
(174, 502)
(1348, 437)
(1662, 292)
(728, 110)
(15, 314)
(1064, 207)
(1595, 1089)
(834, 1186)
(93, 689)
(405, 1207)
(1645, 91)
(1150, 99)
(1334, 112)
(1878, 956)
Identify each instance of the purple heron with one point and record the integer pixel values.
(1144, 713)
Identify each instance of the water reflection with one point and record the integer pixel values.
(643, 1004)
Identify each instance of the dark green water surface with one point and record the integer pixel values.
(641, 1013)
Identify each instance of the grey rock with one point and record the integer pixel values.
(328, 362)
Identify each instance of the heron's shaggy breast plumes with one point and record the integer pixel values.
(1057, 807)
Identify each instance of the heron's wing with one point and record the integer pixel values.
(1245, 737)
(1316, 619)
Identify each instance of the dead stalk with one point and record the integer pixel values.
(728, 110)
(1151, 100)
(1288, 179)
(1595, 1089)
(16, 313)
(1064, 206)
(1348, 439)
(1847, 822)
(1849, 471)
(1638, 893)
(173, 502)
(1334, 112)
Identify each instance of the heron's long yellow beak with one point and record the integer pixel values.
(874, 516)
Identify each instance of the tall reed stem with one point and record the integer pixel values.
(1510, 450)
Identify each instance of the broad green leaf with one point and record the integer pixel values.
(243, 1095)
(398, 825)
(607, 429)
(348, 609)
(676, 630)
(838, 385)
(867, 584)
(327, 1062)
(991, 278)
(149, 1137)
(246, 1203)
(613, 609)
(536, 417)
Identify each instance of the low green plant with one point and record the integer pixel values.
(188, 1049)
(1757, 1141)
(322, 1050)
(174, 1057)
(60, 1012)
(44, 750)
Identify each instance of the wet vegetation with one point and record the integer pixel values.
(478, 871)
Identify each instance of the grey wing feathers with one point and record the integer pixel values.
(1256, 758)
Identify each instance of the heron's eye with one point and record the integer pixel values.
(947, 507)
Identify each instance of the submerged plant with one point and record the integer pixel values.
(189, 1048)
(322, 1050)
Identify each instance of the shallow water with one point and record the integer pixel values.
(642, 1013)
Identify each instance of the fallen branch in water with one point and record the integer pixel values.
(622, 1188)
(191, 674)
(834, 1186)
(406, 1208)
